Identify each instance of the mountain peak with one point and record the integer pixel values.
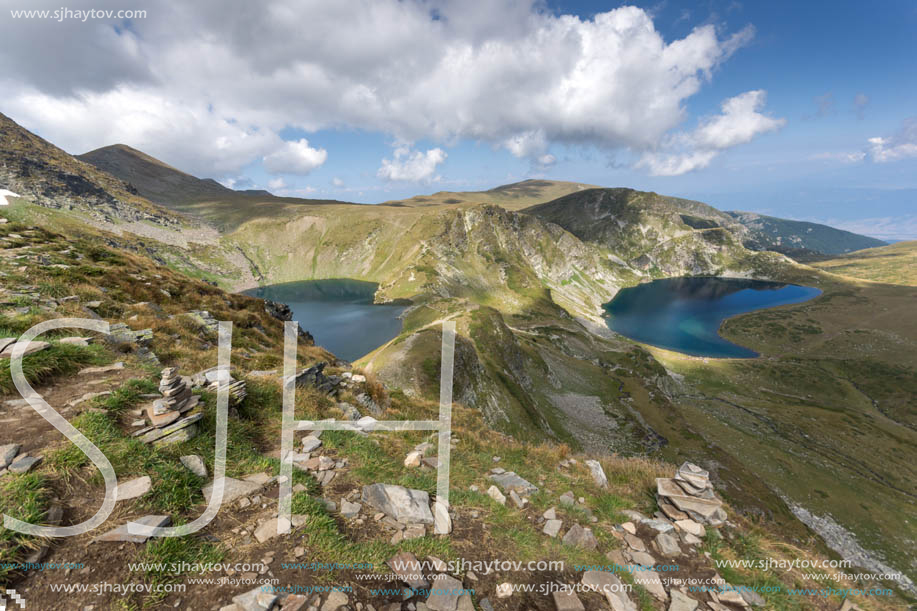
(154, 179)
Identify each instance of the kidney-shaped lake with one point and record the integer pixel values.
(685, 314)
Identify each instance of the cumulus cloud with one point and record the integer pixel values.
(409, 165)
(738, 123)
(294, 157)
(505, 72)
(900, 145)
(337, 182)
(275, 184)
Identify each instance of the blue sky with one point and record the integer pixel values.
(805, 110)
(839, 73)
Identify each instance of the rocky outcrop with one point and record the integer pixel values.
(282, 311)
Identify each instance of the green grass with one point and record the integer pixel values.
(170, 553)
(27, 498)
(893, 264)
(746, 546)
(55, 361)
(327, 543)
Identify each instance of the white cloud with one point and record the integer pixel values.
(295, 157)
(739, 123)
(528, 144)
(337, 182)
(900, 145)
(506, 72)
(275, 184)
(411, 165)
(546, 161)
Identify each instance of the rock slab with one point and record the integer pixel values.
(399, 503)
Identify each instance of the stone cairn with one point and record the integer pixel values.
(690, 494)
(166, 413)
(210, 379)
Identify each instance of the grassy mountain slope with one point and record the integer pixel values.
(512, 196)
(129, 287)
(155, 180)
(663, 236)
(892, 264)
(204, 199)
(799, 238)
(38, 170)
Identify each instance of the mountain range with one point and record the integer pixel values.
(822, 424)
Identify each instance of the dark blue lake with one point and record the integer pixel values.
(339, 313)
(685, 314)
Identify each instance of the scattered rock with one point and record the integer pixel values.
(635, 543)
(494, 493)
(567, 600)
(31, 348)
(552, 528)
(598, 473)
(609, 585)
(504, 590)
(413, 459)
(444, 593)
(653, 584)
(133, 488)
(691, 539)
(408, 568)
(255, 600)
(667, 545)
(268, 529)
(7, 453)
(692, 527)
(660, 526)
(104, 369)
(567, 499)
(350, 510)
(24, 464)
(518, 501)
(400, 503)
(509, 481)
(233, 489)
(195, 464)
(311, 443)
(120, 533)
(681, 602)
(643, 559)
(752, 598)
(580, 536)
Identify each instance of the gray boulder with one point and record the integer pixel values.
(580, 536)
(509, 481)
(400, 503)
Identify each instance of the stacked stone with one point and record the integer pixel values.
(690, 495)
(176, 399)
(212, 380)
